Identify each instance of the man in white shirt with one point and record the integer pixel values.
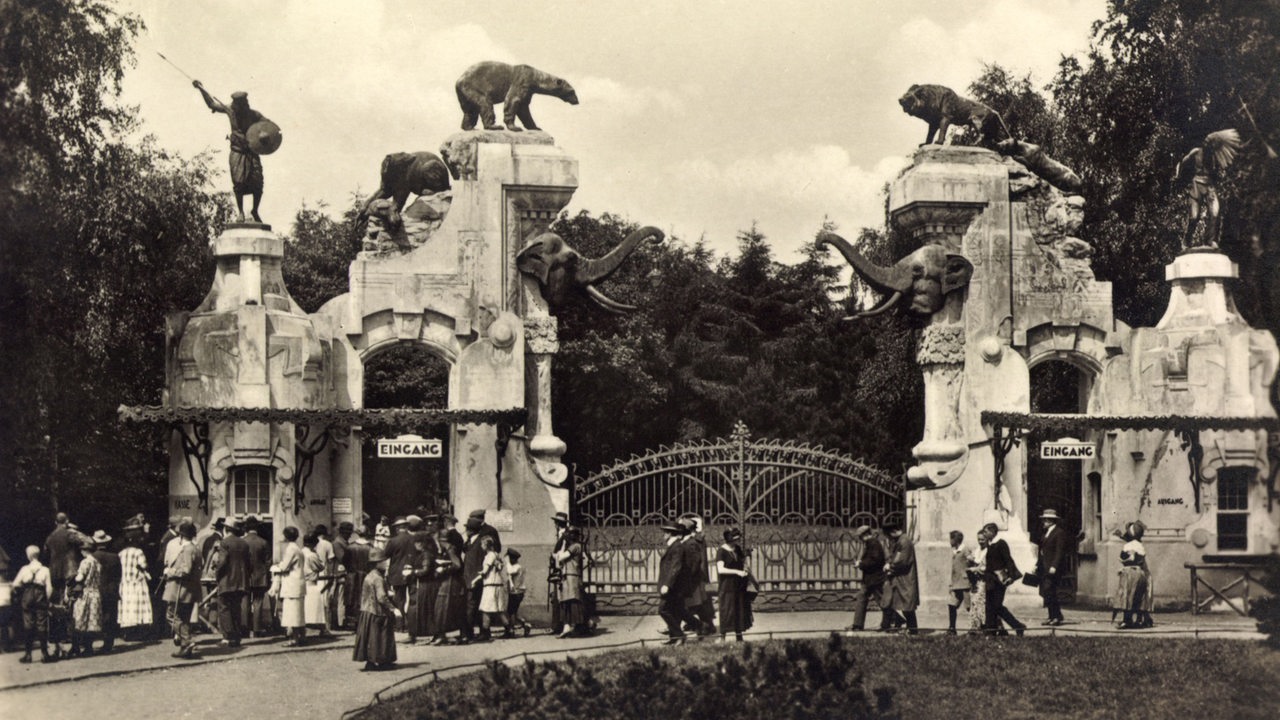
(34, 586)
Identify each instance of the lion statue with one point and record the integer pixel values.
(941, 107)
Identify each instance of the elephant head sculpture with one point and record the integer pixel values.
(560, 268)
(924, 277)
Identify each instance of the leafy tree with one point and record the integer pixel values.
(102, 237)
(318, 253)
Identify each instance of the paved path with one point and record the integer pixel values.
(320, 680)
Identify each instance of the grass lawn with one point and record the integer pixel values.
(933, 677)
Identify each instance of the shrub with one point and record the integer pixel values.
(795, 680)
(1266, 610)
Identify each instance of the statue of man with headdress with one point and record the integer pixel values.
(1201, 170)
(251, 136)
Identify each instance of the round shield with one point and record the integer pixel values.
(264, 137)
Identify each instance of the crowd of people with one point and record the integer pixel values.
(418, 575)
(423, 577)
(981, 576)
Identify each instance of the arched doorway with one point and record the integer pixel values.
(406, 375)
(1058, 385)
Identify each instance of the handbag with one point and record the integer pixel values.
(1031, 580)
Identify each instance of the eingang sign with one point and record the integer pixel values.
(410, 446)
(1068, 449)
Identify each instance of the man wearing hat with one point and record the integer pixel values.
(698, 600)
(399, 552)
(1050, 563)
(473, 562)
(675, 579)
(871, 562)
(182, 589)
(108, 588)
(235, 567)
(260, 621)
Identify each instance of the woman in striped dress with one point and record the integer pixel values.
(135, 598)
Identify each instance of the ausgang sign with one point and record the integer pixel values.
(1068, 449)
(409, 446)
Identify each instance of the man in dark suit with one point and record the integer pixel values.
(698, 599)
(260, 617)
(674, 580)
(108, 587)
(872, 564)
(1050, 564)
(999, 575)
(399, 550)
(62, 558)
(472, 562)
(235, 567)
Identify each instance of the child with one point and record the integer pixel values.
(375, 631)
(494, 596)
(960, 585)
(34, 587)
(515, 572)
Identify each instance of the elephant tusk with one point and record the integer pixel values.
(607, 303)
(882, 307)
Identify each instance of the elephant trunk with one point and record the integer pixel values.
(594, 270)
(881, 279)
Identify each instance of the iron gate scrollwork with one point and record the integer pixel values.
(797, 506)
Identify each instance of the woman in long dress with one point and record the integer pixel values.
(451, 598)
(1134, 596)
(134, 610)
(419, 620)
(292, 588)
(731, 563)
(313, 578)
(573, 611)
(376, 629)
(86, 613)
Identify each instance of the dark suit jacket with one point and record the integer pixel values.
(340, 552)
(259, 560)
(695, 561)
(236, 565)
(109, 584)
(872, 562)
(1053, 551)
(472, 558)
(358, 558)
(998, 559)
(399, 552)
(673, 571)
(63, 559)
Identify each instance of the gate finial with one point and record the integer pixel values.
(740, 434)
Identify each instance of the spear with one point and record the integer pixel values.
(1271, 153)
(175, 67)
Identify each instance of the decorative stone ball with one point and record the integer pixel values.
(991, 349)
(501, 333)
(1200, 537)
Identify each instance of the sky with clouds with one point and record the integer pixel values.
(697, 117)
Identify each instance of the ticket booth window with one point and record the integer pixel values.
(1233, 508)
(250, 490)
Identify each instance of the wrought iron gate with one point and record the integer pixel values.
(796, 505)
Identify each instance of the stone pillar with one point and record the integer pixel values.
(958, 199)
(249, 345)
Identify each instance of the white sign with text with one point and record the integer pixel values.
(410, 446)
